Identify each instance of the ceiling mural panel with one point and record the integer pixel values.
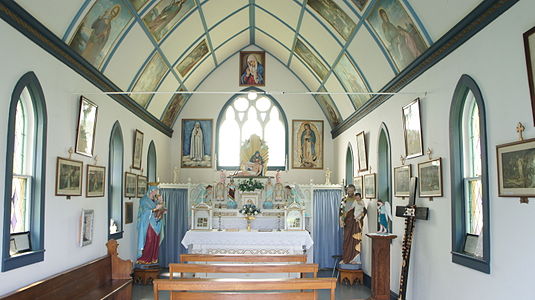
(329, 108)
(158, 103)
(162, 17)
(311, 59)
(138, 4)
(182, 37)
(334, 15)
(230, 47)
(360, 4)
(192, 58)
(343, 102)
(288, 13)
(274, 28)
(351, 79)
(322, 39)
(229, 27)
(175, 105)
(215, 11)
(201, 71)
(149, 79)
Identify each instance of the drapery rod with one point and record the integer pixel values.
(258, 93)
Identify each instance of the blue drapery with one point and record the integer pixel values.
(327, 232)
(176, 202)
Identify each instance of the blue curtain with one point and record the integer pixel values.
(327, 232)
(176, 225)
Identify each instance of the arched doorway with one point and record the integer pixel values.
(384, 171)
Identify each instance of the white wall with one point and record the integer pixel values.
(278, 78)
(62, 88)
(495, 59)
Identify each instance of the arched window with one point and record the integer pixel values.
(470, 205)
(349, 165)
(151, 162)
(115, 183)
(244, 115)
(24, 197)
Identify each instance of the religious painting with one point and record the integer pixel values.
(95, 181)
(174, 107)
(351, 80)
(87, 124)
(310, 59)
(138, 4)
(130, 185)
(252, 68)
(362, 154)
(430, 173)
(128, 212)
(195, 56)
(86, 227)
(329, 109)
(100, 29)
(357, 182)
(412, 129)
(402, 178)
(307, 144)
(149, 79)
(197, 143)
(138, 150)
(68, 177)
(360, 4)
(369, 186)
(163, 17)
(397, 32)
(332, 13)
(141, 185)
(529, 48)
(516, 175)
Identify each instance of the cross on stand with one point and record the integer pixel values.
(411, 213)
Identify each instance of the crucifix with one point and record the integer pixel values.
(411, 213)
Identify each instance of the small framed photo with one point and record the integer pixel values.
(430, 173)
(369, 186)
(529, 48)
(87, 124)
(130, 185)
(95, 181)
(357, 182)
(402, 178)
(362, 155)
(86, 227)
(515, 170)
(128, 212)
(412, 129)
(138, 150)
(141, 185)
(252, 68)
(68, 177)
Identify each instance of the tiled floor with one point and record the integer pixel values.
(343, 292)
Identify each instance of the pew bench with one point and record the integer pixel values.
(243, 268)
(243, 258)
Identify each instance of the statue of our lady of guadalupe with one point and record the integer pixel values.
(352, 213)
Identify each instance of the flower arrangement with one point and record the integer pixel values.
(249, 210)
(250, 185)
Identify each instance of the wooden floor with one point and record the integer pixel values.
(343, 292)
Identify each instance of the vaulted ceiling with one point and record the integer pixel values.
(172, 45)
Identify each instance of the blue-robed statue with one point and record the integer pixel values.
(150, 225)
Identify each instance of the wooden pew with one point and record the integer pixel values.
(243, 268)
(219, 288)
(243, 258)
(105, 278)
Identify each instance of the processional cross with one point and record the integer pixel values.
(411, 213)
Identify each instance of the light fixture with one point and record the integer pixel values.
(252, 95)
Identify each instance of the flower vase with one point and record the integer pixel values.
(249, 219)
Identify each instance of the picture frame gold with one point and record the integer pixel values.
(86, 227)
(529, 49)
(513, 168)
(362, 153)
(68, 177)
(141, 187)
(402, 177)
(247, 75)
(95, 181)
(430, 177)
(87, 125)
(130, 185)
(137, 153)
(412, 129)
(370, 186)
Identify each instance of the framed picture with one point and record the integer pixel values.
(402, 178)
(141, 185)
(362, 155)
(201, 217)
(252, 68)
(430, 173)
(357, 182)
(369, 186)
(130, 184)
(412, 129)
(307, 144)
(294, 216)
(87, 125)
(95, 181)
(86, 227)
(515, 169)
(197, 143)
(138, 150)
(529, 48)
(68, 177)
(128, 212)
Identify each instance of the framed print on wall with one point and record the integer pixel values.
(86, 227)
(307, 144)
(87, 124)
(402, 178)
(68, 177)
(515, 171)
(128, 212)
(357, 182)
(141, 185)
(130, 184)
(95, 181)
(362, 155)
(197, 143)
(529, 48)
(369, 186)
(430, 173)
(252, 68)
(138, 150)
(412, 129)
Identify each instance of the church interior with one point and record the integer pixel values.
(380, 145)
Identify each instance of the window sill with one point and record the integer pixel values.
(22, 259)
(471, 261)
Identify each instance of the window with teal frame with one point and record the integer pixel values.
(115, 183)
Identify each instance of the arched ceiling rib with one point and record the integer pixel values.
(331, 45)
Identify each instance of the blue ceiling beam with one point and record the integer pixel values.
(297, 29)
(252, 21)
(207, 34)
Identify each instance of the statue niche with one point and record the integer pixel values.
(254, 156)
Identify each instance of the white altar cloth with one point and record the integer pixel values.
(247, 243)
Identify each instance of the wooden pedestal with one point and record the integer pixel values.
(145, 276)
(351, 276)
(381, 266)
